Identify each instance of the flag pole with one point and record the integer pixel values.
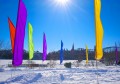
(97, 71)
(11, 72)
(42, 64)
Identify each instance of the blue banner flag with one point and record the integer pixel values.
(61, 53)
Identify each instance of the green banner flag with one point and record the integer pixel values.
(31, 46)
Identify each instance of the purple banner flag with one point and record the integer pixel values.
(44, 48)
(20, 34)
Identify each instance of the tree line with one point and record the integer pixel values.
(73, 54)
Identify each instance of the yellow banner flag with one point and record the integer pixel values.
(99, 30)
(31, 46)
(86, 54)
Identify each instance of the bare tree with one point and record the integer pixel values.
(1, 44)
(7, 45)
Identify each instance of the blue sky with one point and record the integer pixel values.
(72, 23)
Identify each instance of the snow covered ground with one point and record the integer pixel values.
(57, 75)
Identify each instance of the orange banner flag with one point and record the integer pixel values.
(12, 33)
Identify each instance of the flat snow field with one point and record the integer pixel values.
(60, 75)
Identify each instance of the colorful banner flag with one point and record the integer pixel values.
(61, 53)
(12, 33)
(86, 54)
(99, 30)
(116, 54)
(20, 34)
(44, 47)
(31, 45)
